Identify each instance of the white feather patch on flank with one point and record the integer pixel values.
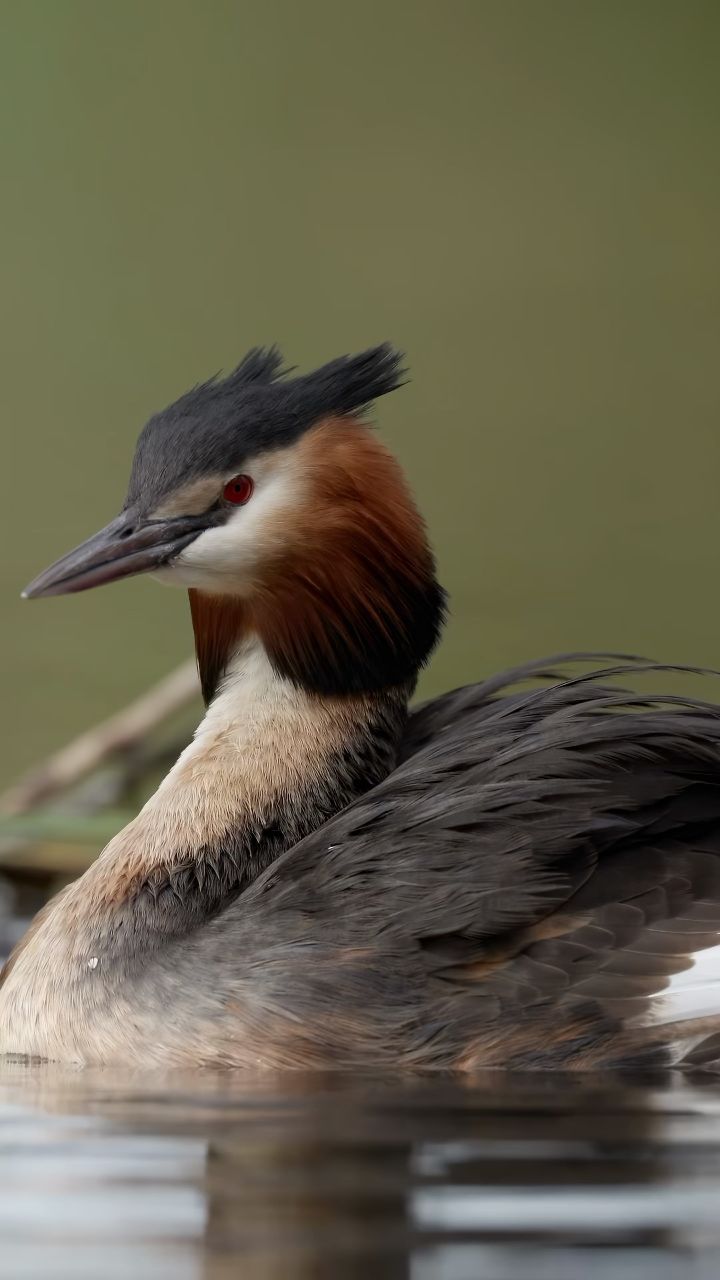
(695, 993)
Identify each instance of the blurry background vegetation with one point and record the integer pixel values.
(523, 194)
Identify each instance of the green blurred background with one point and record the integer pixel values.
(523, 194)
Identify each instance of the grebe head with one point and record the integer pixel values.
(279, 509)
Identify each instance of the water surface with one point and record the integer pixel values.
(188, 1176)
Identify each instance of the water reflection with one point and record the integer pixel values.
(108, 1174)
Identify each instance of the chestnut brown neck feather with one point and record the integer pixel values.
(352, 605)
(219, 625)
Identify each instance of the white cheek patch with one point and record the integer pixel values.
(227, 559)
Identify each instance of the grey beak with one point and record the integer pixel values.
(126, 546)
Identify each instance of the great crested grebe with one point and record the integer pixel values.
(497, 879)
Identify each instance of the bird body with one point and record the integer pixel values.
(509, 876)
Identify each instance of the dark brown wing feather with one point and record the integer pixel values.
(515, 893)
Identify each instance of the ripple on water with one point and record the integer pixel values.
(109, 1175)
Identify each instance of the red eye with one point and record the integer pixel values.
(238, 490)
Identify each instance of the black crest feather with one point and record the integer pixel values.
(216, 425)
(349, 383)
(261, 364)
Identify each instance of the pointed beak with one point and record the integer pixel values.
(126, 546)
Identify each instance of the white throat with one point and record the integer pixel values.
(252, 698)
(261, 738)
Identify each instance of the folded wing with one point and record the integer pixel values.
(520, 891)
